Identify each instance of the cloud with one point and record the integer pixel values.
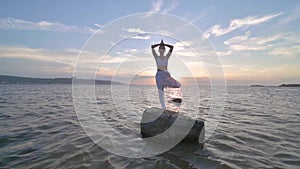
(292, 16)
(158, 4)
(65, 57)
(181, 49)
(282, 44)
(203, 14)
(252, 74)
(224, 53)
(235, 24)
(267, 74)
(98, 25)
(47, 62)
(138, 33)
(171, 7)
(90, 57)
(63, 62)
(134, 30)
(228, 66)
(18, 24)
(288, 52)
(248, 43)
(143, 37)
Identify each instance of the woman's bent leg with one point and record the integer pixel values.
(171, 82)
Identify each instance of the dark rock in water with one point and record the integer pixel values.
(177, 100)
(155, 121)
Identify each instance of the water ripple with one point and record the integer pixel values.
(40, 129)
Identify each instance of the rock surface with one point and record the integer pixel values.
(155, 121)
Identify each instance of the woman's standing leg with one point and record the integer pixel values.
(160, 86)
(162, 99)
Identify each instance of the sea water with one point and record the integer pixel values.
(39, 128)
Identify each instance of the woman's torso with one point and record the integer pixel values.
(162, 62)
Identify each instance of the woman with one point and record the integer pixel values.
(163, 77)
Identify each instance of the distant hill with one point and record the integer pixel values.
(289, 85)
(257, 86)
(282, 85)
(4, 79)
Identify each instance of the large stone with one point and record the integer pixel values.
(155, 121)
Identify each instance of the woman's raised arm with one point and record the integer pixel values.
(170, 50)
(154, 46)
(153, 51)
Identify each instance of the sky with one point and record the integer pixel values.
(251, 42)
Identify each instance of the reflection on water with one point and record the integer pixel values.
(39, 128)
(170, 94)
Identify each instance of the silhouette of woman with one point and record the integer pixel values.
(163, 77)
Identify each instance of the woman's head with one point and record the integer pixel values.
(161, 48)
